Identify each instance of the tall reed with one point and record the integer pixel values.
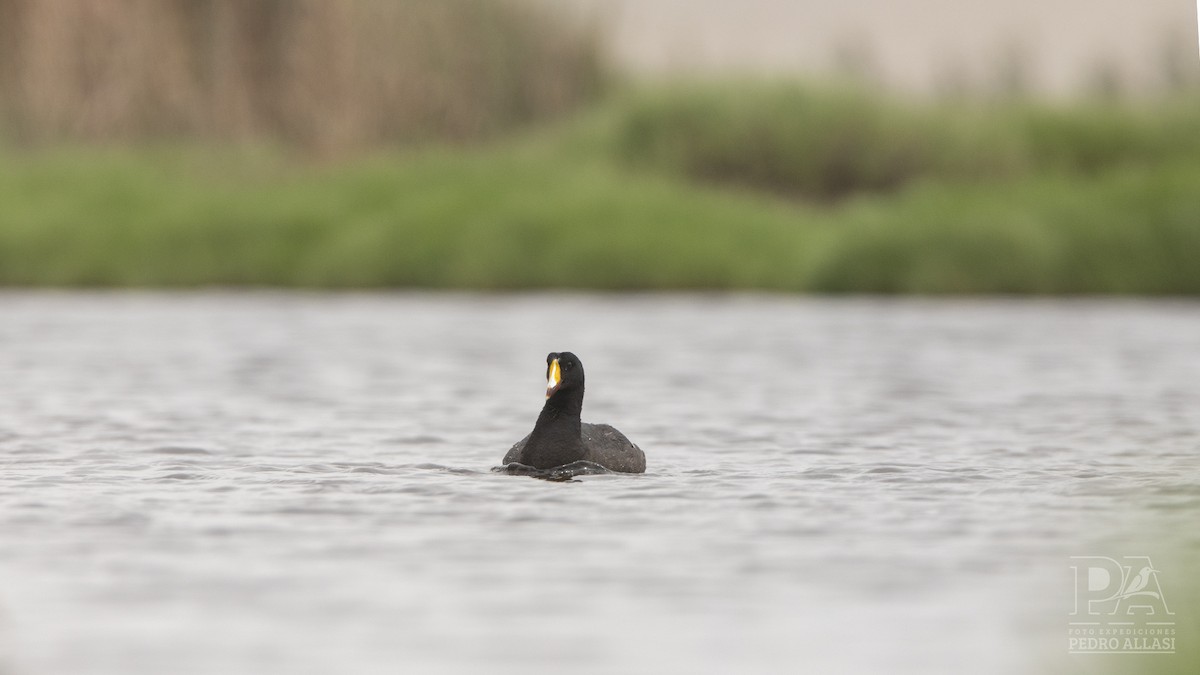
(328, 74)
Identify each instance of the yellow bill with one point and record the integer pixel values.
(553, 378)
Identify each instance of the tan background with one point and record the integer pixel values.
(1060, 46)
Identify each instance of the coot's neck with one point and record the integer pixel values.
(556, 436)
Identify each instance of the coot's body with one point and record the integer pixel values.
(601, 443)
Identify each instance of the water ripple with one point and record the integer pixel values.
(280, 483)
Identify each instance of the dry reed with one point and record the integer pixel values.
(324, 74)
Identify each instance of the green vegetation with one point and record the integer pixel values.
(506, 217)
(826, 144)
(774, 187)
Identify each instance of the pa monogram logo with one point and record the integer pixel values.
(1120, 608)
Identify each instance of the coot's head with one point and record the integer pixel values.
(564, 372)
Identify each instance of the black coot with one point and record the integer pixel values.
(559, 437)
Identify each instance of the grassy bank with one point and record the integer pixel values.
(499, 218)
(1057, 203)
(829, 143)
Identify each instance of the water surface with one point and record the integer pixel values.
(244, 483)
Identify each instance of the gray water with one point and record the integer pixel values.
(289, 483)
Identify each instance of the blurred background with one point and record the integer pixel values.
(225, 481)
(922, 147)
